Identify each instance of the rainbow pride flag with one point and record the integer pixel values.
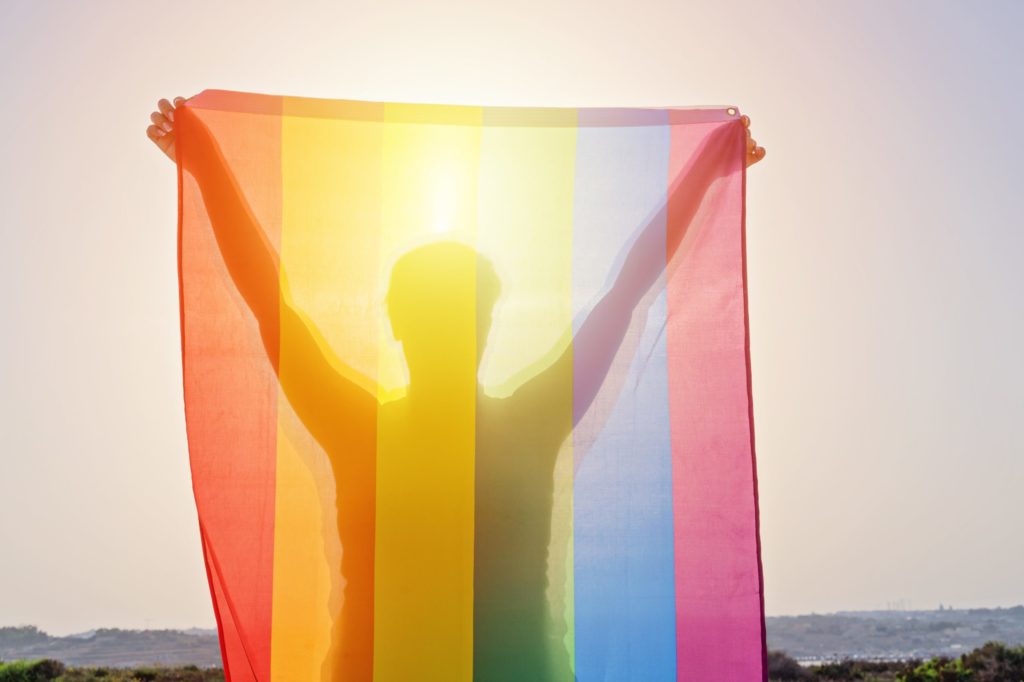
(467, 390)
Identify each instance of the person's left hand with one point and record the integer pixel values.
(754, 153)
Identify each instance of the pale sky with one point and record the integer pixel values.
(883, 240)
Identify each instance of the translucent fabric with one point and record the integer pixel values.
(467, 390)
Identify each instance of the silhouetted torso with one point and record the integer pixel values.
(516, 637)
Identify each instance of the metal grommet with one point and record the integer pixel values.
(731, 111)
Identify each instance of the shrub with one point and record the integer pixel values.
(784, 668)
(31, 671)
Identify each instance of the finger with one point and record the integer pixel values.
(167, 109)
(178, 101)
(746, 121)
(159, 120)
(165, 143)
(155, 133)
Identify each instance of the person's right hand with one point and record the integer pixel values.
(162, 130)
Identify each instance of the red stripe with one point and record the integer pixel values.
(231, 398)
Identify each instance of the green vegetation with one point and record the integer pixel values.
(993, 662)
(48, 670)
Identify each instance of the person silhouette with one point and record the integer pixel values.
(440, 301)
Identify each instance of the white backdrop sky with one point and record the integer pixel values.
(884, 240)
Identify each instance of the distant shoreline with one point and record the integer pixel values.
(858, 635)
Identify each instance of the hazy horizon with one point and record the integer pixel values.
(212, 628)
(883, 239)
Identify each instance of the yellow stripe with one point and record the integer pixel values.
(423, 625)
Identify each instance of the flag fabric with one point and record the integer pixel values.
(467, 390)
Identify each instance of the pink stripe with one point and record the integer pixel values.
(718, 577)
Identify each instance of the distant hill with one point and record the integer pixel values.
(881, 635)
(894, 635)
(110, 647)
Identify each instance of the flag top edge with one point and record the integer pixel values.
(456, 114)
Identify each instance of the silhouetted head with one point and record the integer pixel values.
(440, 300)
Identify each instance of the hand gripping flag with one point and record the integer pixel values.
(467, 390)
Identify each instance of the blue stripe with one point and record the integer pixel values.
(622, 498)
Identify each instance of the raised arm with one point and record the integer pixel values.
(324, 393)
(589, 358)
(249, 256)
